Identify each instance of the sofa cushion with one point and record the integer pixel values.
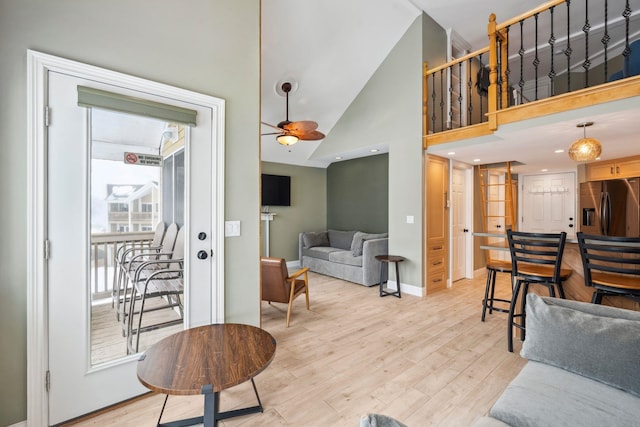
(341, 239)
(544, 395)
(312, 239)
(599, 342)
(345, 257)
(320, 252)
(359, 238)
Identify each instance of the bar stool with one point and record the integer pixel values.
(611, 265)
(535, 258)
(489, 302)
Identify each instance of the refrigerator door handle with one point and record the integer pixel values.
(601, 213)
(608, 211)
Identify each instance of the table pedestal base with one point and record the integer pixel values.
(211, 414)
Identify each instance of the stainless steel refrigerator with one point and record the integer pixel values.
(610, 207)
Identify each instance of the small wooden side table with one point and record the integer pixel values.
(206, 360)
(386, 259)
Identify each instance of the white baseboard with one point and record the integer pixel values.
(20, 424)
(293, 265)
(405, 288)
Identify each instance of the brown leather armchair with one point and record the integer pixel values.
(278, 286)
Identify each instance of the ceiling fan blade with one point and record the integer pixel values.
(313, 135)
(271, 133)
(302, 126)
(271, 126)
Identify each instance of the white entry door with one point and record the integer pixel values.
(459, 225)
(549, 203)
(77, 386)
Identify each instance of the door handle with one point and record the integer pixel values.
(202, 255)
(465, 230)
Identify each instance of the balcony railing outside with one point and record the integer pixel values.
(559, 47)
(103, 249)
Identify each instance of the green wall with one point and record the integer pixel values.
(208, 46)
(308, 210)
(358, 194)
(388, 111)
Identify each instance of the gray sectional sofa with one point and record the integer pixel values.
(582, 369)
(347, 255)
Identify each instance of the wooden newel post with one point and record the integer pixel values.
(492, 98)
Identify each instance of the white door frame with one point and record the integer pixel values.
(468, 196)
(38, 66)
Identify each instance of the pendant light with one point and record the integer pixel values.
(585, 149)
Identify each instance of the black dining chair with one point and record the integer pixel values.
(611, 265)
(535, 258)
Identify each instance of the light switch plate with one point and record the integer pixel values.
(231, 228)
(409, 219)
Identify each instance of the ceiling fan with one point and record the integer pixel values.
(291, 132)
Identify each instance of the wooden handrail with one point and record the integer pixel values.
(457, 61)
(529, 14)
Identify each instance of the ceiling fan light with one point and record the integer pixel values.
(287, 139)
(585, 150)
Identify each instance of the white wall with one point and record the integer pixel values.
(208, 46)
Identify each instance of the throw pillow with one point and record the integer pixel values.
(312, 239)
(359, 238)
(341, 239)
(597, 342)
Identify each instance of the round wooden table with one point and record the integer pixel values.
(206, 360)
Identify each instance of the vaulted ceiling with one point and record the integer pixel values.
(329, 49)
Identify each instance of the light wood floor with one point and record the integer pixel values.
(424, 361)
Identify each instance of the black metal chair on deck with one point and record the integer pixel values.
(611, 265)
(535, 258)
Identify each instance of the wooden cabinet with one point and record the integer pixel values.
(437, 223)
(610, 169)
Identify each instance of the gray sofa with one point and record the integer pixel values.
(347, 255)
(582, 368)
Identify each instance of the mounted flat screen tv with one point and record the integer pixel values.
(276, 190)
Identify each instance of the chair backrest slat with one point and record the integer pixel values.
(540, 249)
(609, 254)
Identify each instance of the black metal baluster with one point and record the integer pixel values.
(507, 69)
(627, 49)
(450, 97)
(442, 115)
(568, 50)
(433, 105)
(481, 92)
(585, 29)
(521, 53)
(605, 40)
(499, 67)
(469, 91)
(552, 42)
(460, 98)
(536, 59)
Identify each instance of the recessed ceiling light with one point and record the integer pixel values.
(476, 160)
(338, 158)
(374, 150)
(544, 170)
(559, 151)
(451, 153)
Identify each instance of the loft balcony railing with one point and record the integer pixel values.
(103, 249)
(560, 50)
